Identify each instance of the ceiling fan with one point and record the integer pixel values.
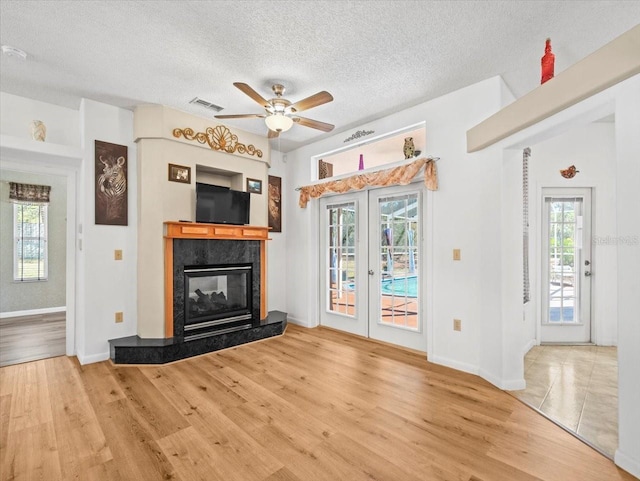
(280, 112)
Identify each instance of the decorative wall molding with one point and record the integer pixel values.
(358, 134)
(218, 138)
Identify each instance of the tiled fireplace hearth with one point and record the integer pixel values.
(215, 295)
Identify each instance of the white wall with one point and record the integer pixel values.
(105, 286)
(277, 246)
(466, 215)
(628, 234)
(16, 114)
(592, 149)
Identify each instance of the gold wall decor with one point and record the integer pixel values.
(218, 138)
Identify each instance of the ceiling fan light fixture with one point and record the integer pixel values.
(278, 122)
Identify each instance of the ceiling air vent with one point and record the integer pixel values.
(206, 104)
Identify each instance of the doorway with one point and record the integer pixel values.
(33, 283)
(371, 265)
(566, 266)
(27, 163)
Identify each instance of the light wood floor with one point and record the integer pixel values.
(28, 338)
(309, 405)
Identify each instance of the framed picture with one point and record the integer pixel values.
(179, 173)
(111, 188)
(254, 186)
(275, 205)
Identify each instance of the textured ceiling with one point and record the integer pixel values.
(375, 57)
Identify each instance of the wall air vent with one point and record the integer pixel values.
(206, 104)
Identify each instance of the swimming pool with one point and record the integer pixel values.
(400, 286)
(397, 286)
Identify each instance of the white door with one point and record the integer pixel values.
(371, 263)
(566, 266)
(395, 266)
(343, 259)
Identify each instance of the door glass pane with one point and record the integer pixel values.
(563, 247)
(341, 260)
(398, 254)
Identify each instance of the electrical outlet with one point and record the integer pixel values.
(117, 254)
(457, 325)
(119, 317)
(456, 254)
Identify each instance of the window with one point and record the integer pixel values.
(30, 242)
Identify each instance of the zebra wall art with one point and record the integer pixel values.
(111, 183)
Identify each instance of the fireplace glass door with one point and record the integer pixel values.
(217, 295)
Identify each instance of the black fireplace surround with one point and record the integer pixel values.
(190, 255)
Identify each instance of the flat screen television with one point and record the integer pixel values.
(221, 205)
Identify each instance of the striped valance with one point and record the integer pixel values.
(35, 194)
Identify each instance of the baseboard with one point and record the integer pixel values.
(297, 322)
(91, 358)
(504, 384)
(626, 462)
(457, 365)
(33, 312)
(528, 346)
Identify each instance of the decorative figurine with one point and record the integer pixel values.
(38, 130)
(570, 172)
(548, 60)
(409, 148)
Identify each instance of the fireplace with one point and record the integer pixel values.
(217, 297)
(215, 294)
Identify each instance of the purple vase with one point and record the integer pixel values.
(361, 164)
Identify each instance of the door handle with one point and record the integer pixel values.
(587, 273)
(370, 272)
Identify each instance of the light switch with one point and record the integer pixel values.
(456, 254)
(117, 255)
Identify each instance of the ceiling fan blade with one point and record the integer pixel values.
(313, 101)
(252, 93)
(241, 116)
(273, 134)
(314, 124)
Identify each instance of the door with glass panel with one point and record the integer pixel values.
(343, 261)
(371, 265)
(566, 266)
(395, 266)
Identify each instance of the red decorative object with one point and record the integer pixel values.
(548, 61)
(570, 172)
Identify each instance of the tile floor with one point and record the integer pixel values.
(576, 386)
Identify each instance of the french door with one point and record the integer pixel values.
(344, 300)
(372, 265)
(566, 266)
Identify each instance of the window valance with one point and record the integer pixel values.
(36, 194)
(401, 175)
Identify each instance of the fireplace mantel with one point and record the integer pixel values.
(191, 230)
